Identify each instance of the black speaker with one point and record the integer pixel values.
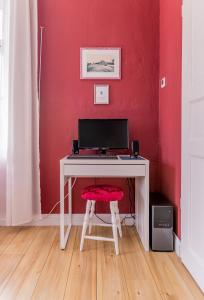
(135, 148)
(75, 147)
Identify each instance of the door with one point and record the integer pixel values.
(192, 202)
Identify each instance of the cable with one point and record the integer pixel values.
(40, 62)
(44, 217)
(132, 216)
(101, 219)
(131, 198)
(73, 184)
(95, 214)
(128, 217)
(131, 189)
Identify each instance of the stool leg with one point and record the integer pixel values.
(85, 224)
(114, 226)
(91, 215)
(118, 218)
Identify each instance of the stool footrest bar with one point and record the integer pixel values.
(98, 238)
(102, 225)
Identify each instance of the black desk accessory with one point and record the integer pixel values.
(135, 148)
(105, 157)
(129, 157)
(75, 147)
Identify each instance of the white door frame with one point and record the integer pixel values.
(192, 139)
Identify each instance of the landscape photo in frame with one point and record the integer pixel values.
(100, 63)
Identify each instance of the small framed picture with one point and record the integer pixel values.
(101, 94)
(100, 63)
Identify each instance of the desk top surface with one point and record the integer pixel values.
(121, 160)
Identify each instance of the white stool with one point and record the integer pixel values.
(102, 193)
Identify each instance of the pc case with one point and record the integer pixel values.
(161, 223)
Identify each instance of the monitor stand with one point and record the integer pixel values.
(103, 151)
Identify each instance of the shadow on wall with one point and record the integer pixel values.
(168, 188)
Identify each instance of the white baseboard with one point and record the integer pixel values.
(177, 245)
(2, 222)
(77, 219)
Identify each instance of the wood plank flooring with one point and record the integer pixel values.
(33, 267)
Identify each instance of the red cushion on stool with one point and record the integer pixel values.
(102, 193)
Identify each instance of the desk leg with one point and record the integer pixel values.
(142, 208)
(70, 201)
(62, 181)
(63, 236)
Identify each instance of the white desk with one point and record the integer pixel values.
(138, 169)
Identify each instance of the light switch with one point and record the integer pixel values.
(163, 82)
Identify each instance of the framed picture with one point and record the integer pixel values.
(101, 94)
(100, 63)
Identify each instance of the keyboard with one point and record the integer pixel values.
(92, 157)
(128, 157)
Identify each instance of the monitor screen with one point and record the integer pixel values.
(103, 133)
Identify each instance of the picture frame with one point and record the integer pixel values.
(101, 94)
(100, 63)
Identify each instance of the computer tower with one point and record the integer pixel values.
(161, 224)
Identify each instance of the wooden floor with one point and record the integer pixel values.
(33, 267)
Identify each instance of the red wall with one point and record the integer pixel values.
(69, 25)
(170, 103)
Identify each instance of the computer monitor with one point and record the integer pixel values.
(103, 134)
